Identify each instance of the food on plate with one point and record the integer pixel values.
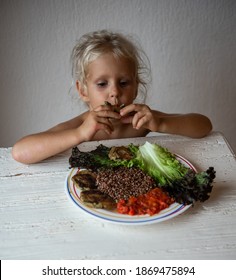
(97, 199)
(92, 160)
(122, 182)
(120, 153)
(192, 187)
(85, 179)
(182, 183)
(150, 203)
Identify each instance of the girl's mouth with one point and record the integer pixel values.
(116, 108)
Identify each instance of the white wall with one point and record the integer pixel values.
(191, 45)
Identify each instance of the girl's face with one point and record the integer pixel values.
(109, 79)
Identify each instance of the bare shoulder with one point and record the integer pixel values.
(70, 124)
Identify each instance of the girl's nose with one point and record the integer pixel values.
(114, 100)
(114, 91)
(114, 94)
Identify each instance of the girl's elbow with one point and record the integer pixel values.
(206, 129)
(209, 127)
(16, 154)
(19, 155)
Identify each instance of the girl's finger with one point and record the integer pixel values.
(136, 119)
(132, 108)
(108, 129)
(105, 124)
(142, 121)
(127, 119)
(108, 114)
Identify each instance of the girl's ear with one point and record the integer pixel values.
(82, 91)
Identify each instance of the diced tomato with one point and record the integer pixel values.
(150, 203)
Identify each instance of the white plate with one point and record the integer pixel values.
(172, 211)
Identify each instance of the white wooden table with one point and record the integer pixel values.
(37, 221)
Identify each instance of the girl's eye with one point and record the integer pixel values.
(101, 84)
(124, 83)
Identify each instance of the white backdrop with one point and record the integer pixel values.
(191, 45)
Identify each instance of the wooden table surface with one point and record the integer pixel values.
(37, 220)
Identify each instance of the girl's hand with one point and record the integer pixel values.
(140, 115)
(98, 119)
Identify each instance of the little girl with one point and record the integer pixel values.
(109, 72)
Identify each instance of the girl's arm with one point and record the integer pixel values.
(191, 125)
(36, 147)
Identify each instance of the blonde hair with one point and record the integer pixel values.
(91, 45)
